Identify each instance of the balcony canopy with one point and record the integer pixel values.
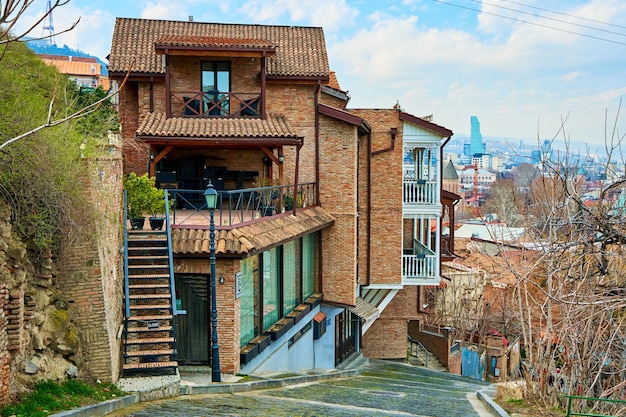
(226, 132)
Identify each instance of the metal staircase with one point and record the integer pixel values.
(149, 336)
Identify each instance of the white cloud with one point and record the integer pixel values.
(331, 14)
(164, 9)
(571, 76)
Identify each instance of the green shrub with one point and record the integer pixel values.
(49, 397)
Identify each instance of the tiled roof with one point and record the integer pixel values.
(157, 124)
(253, 238)
(300, 52)
(74, 67)
(212, 42)
(333, 82)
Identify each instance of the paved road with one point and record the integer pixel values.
(383, 389)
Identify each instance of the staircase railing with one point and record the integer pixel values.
(126, 291)
(175, 310)
(418, 345)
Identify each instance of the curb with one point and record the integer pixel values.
(109, 406)
(490, 404)
(100, 409)
(265, 384)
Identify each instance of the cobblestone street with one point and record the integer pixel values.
(383, 389)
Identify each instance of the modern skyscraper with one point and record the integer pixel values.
(477, 147)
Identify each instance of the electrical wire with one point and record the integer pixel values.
(531, 23)
(565, 14)
(551, 18)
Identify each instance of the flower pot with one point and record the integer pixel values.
(156, 223)
(136, 223)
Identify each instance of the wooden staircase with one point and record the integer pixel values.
(149, 337)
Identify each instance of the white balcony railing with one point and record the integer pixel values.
(418, 267)
(419, 192)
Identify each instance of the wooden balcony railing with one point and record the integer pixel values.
(419, 192)
(214, 104)
(238, 206)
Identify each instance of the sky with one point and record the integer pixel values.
(525, 68)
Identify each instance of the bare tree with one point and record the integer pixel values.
(12, 12)
(571, 292)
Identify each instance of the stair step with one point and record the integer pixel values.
(148, 266)
(132, 232)
(150, 296)
(148, 286)
(147, 257)
(146, 330)
(150, 318)
(144, 276)
(152, 340)
(150, 306)
(137, 353)
(148, 365)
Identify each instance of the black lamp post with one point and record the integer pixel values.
(210, 196)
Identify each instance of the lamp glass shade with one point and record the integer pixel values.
(210, 195)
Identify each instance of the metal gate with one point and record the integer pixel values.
(470, 364)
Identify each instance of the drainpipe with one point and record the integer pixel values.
(393, 132)
(445, 142)
(168, 96)
(368, 208)
(317, 142)
(316, 100)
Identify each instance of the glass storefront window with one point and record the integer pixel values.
(292, 287)
(308, 265)
(249, 299)
(271, 288)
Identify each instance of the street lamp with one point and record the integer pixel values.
(210, 195)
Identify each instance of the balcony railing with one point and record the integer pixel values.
(419, 263)
(238, 206)
(419, 192)
(214, 104)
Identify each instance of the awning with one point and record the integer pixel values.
(366, 311)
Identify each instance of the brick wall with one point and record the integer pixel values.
(91, 274)
(386, 339)
(338, 193)
(386, 197)
(437, 343)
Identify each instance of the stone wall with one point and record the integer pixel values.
(91, 274)
(60, 317)
(4, 348)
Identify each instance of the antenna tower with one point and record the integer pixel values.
(48, 25)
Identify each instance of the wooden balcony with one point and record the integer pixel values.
(238, 206)
(215, 104)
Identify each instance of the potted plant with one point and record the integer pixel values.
(288, 202)
(157, 208)
(139, 197)
(267, 195)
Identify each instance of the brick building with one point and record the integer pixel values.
(328, 218)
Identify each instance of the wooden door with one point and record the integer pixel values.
(192, 329)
